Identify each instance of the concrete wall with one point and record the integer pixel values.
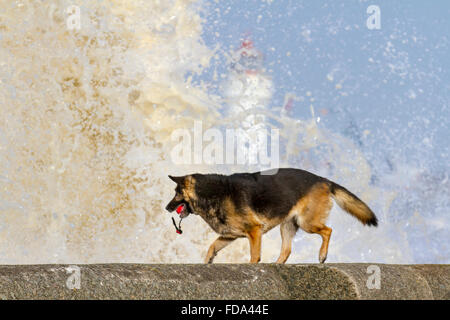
(224, 281)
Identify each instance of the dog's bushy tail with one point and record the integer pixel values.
(353, 205)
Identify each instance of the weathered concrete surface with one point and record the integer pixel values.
(224, 281)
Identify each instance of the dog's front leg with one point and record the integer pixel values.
(254, 237)
(217, 245)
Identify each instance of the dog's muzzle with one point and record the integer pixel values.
(182, 210)
(181, 207)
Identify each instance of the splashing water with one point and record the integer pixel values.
(85, 137)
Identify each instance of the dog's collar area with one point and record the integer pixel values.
(189, 208)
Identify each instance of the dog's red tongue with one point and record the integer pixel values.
(181, 208)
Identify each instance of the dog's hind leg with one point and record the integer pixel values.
(325, 233)
(216, 246)
(288, 230)
(312, 219)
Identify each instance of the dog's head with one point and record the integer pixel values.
(184, 194)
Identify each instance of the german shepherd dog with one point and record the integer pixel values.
(250, 204)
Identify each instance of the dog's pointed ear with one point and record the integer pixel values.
(177, 180)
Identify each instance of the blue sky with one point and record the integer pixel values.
(393, 82)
